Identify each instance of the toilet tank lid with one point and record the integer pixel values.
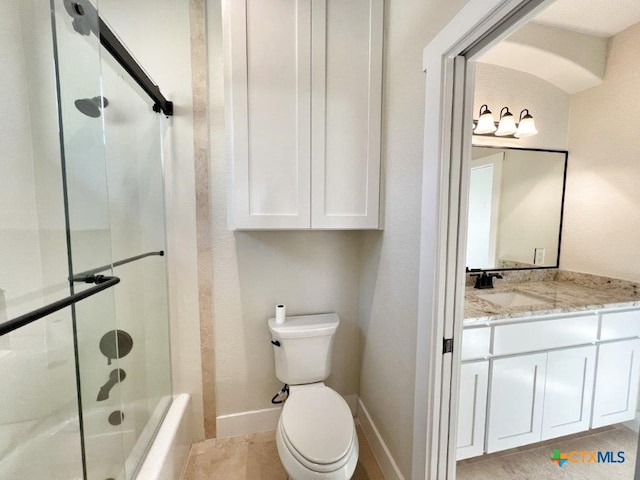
(305, 326)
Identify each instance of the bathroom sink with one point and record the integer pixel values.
(514, 299)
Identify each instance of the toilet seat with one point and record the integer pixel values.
(317, 427)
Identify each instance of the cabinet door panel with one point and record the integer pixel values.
(346, 109)
(472, 409)
(617, 375)
(268, 75)
(517, 394)
(568, 391)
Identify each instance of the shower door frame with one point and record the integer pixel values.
(119, 52)
(448, 62)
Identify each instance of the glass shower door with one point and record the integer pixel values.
(115, 209)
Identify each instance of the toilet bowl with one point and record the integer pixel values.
(316, 437)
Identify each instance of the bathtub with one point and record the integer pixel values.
(53, 448)
(169, 452)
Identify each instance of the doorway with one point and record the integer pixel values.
(450, 68)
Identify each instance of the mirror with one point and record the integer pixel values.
(515, 208)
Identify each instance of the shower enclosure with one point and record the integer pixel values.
(84, 328)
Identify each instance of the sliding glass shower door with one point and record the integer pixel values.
(113, 171)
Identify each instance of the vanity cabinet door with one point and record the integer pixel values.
(617, 375)
(568, 391)
(517, 396)
(472, 409)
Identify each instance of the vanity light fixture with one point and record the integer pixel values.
(526, 127)
(485, 121)
(507, 127)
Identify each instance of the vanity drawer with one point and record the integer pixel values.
(617, 325)
(545, 334)
(475, 343)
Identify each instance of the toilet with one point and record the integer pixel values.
(316, 436)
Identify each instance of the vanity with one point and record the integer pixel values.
(546, 358)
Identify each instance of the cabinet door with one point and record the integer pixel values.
(515, 408)
(267, 47)
(568, 391)
(472, 409)
(346, 108)
(617, 375)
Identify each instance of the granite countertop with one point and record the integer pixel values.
(567, 291)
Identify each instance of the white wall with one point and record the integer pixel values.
(389, 266)
(602, 220)
(158, 34)
(503, 87)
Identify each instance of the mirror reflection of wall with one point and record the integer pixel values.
(515, 208)
(587, 104)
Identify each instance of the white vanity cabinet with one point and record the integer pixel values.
(567, 391)
(474, 381)
(517, 394)
(303, 93)
(547, 376)
(617, 377)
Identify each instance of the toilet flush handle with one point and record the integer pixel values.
(276, 343)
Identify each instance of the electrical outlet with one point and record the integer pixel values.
(538, 256)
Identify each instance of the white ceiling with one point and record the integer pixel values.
(602, 18)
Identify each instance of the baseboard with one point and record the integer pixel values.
(243, 423)
(380, 451)
(254, 421)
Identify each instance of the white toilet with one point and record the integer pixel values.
(316, 436)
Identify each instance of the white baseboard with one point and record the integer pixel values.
(243, 423)
(379, 448)
(254, 421)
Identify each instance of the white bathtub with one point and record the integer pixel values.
(169, 452)
(53, 447)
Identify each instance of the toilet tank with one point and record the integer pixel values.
(302, 347)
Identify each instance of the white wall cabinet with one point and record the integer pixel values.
(472, 407)
(517, 395)
(617, 376)
(303, 93)
(567, 391)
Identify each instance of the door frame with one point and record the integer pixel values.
(450, 73)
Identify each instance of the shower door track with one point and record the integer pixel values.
(84, 13)
(102, 283)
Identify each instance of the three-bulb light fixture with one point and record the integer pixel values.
(507, 126)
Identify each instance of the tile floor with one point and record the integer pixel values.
(255, 457)
(532, 462)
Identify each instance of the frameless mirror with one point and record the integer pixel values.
(516, 200)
